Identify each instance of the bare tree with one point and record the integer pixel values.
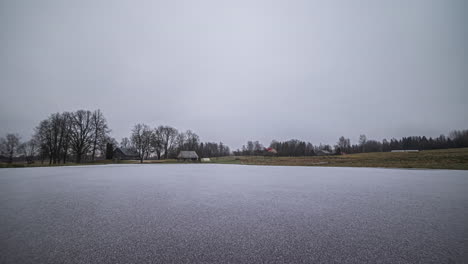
(125, 143)
(81, 133)
(257, 148)
(66, 130)
(157, 142)
(141, 140)
(61, 135)
(55, 125)
(250, 147)
(43, 135)
(192, 140)
(53, 137)
(344, 144)
(169, 135)
(29, 149)
(223, 150)
(180, 141)
(9, 146)
(100, 132)
(362, 142)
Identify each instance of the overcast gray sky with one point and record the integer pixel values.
(239, 70)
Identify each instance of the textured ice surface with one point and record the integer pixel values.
(230, 213)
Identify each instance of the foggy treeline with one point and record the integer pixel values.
(294, 147)
(62, 137)
(84, 136)
(166, 142)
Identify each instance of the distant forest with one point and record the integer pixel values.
(84, 136)
(294, 147)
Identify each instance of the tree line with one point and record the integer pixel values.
(166, 142)
(84, 136)
(62, 137)
(291, 148)
(295, 148)
(456, 139)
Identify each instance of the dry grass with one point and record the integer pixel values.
(430, 159)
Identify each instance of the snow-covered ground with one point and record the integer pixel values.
(229, 213)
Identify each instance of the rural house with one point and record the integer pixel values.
(271, 151)
(187, 156)
(125, 154)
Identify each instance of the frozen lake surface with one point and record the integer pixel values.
(204, 213)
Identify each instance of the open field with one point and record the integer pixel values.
(215, 213)
(430, 159)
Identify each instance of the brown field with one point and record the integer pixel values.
(429, 159)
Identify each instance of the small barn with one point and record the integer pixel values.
(187, 156)
(125, 154)
(323, 152)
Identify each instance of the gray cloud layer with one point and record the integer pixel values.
(239, 70)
